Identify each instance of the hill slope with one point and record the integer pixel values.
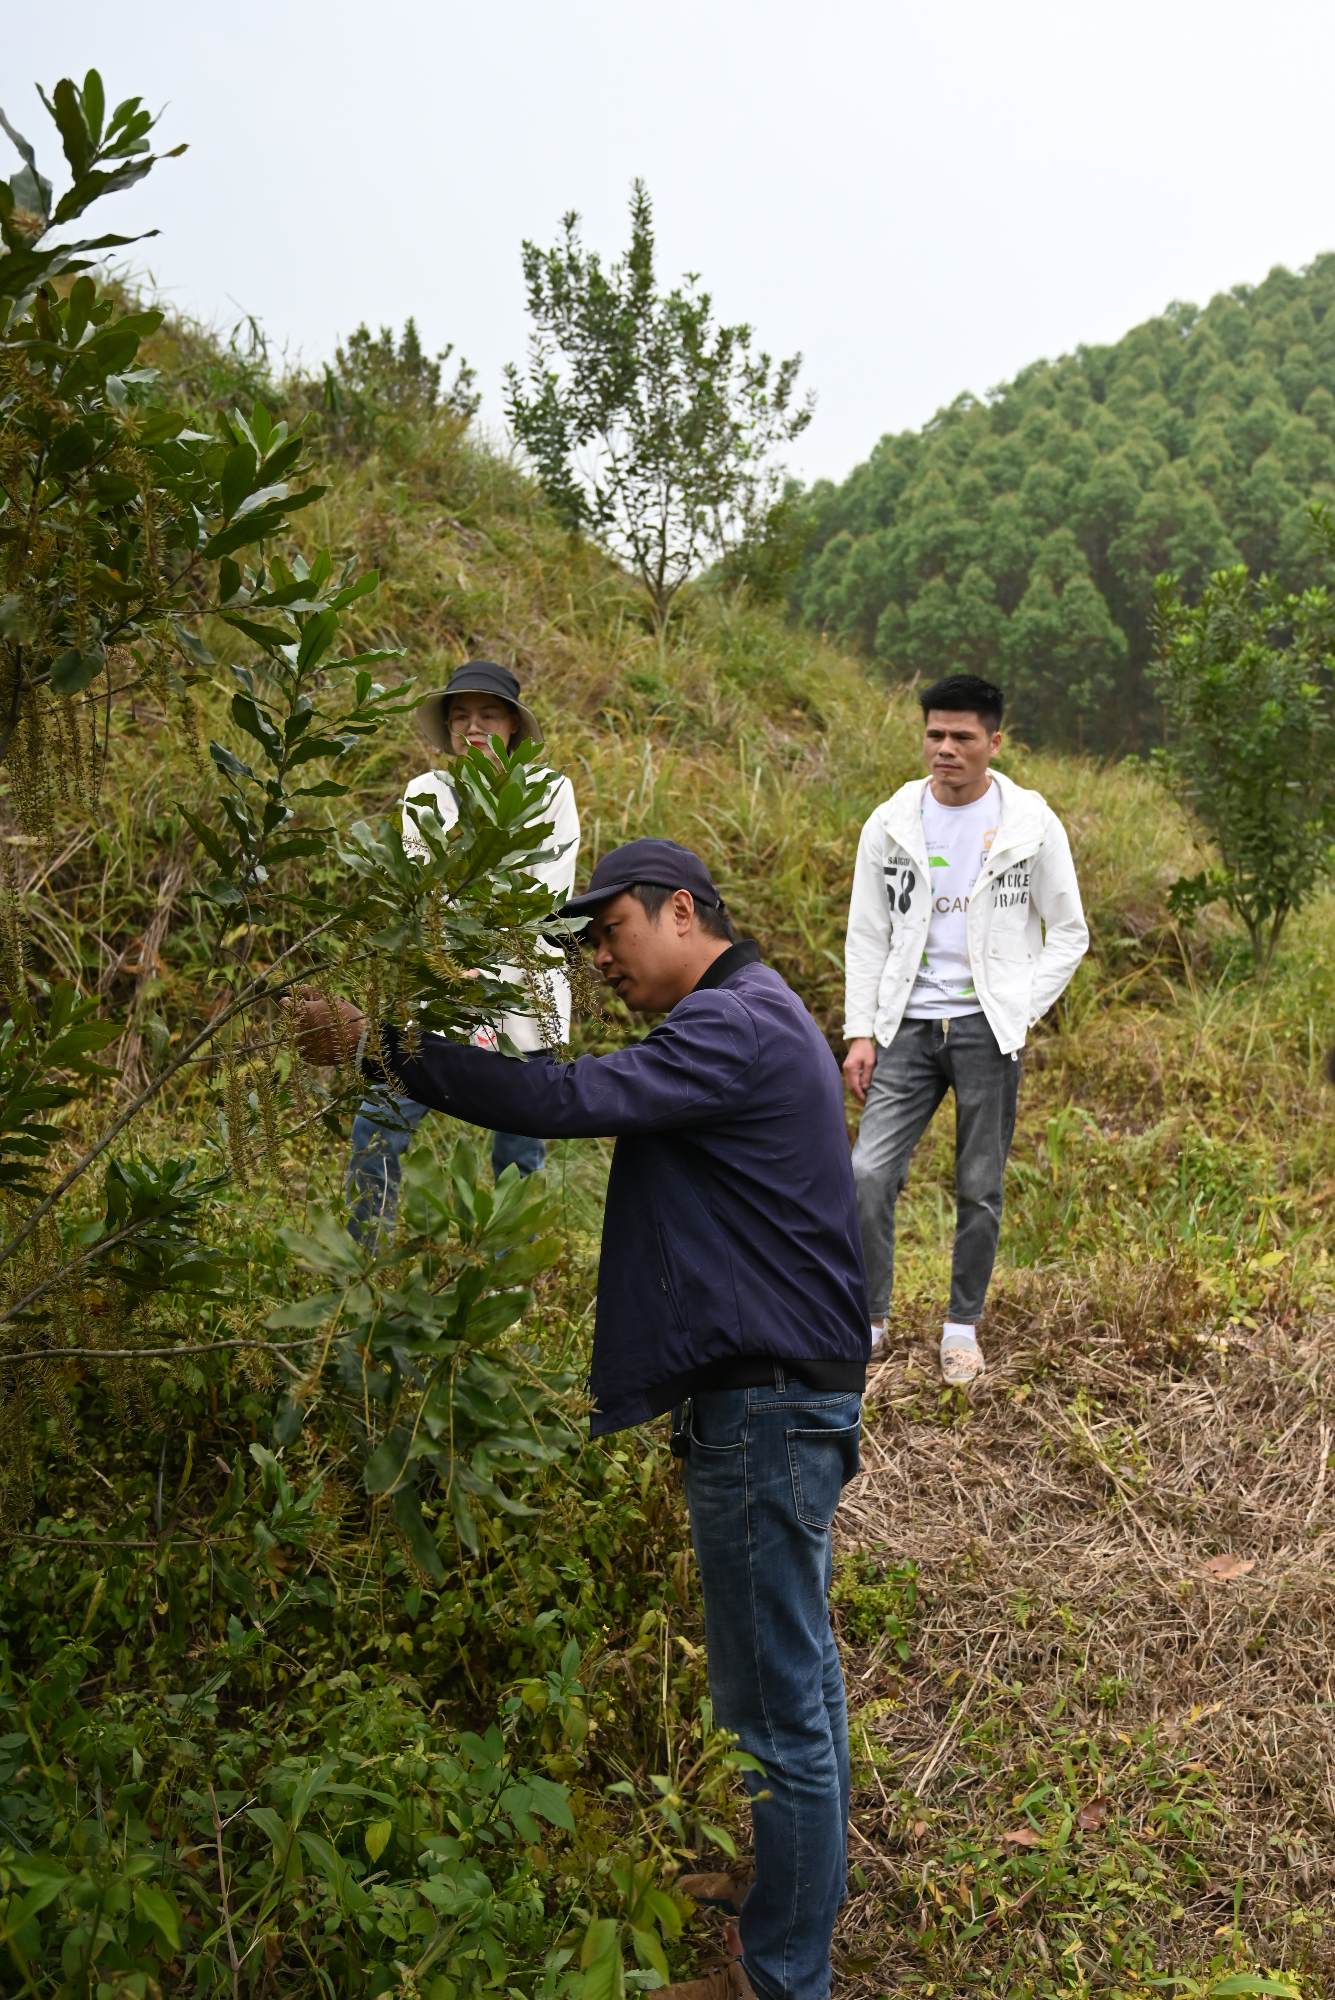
(1019, 536)
(1158, 1353)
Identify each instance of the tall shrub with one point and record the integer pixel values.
(1245, 679)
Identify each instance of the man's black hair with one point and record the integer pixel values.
(967, 694)
(713, 918)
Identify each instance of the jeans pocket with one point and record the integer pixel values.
(822, 1462)
(714, 1472)
(719, 1421)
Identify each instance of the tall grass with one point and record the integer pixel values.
(1172, 1168)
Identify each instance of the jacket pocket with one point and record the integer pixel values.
(821, 1462)
(665, 1283)
(1012, 946)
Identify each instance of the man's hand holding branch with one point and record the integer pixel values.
(327, 1030)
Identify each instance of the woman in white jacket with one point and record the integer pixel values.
(480, 701)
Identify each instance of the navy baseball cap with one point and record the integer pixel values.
(662, 862)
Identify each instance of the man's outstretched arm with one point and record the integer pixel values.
(693, 1064)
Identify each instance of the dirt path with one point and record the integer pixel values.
(1112, 1747)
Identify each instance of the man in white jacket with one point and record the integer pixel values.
(480, 701)
(964, 926)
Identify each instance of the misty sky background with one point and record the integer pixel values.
(922, 199)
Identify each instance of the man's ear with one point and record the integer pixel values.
(683, 910)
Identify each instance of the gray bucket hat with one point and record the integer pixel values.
(475, 677)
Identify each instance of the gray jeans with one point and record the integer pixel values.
(925, 1060)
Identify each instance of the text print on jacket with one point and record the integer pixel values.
(1026, 928)
(730, 1231)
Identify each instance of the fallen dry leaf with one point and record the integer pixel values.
(1225, 1568)
(1022, 1836)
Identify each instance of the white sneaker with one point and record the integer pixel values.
(962, 1363)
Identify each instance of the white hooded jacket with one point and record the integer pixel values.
(1026, 929)
(433, 788)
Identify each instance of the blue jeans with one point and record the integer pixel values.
(764, 1470)
(381, 1134)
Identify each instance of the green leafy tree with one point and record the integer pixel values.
(1177, 448)
(183, 1584)
(1062, 649)
(1245, 680)
(953, 630)
(650, 425)
(123, 529)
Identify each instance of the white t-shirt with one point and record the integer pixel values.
(958, 839)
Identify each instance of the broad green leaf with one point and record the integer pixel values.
(300, 846)
(649, 1952)
(604, 1977)
(228, 761)
(207, 838)
(599, 1939)
(325, 1247)
(550, 1801)
(156, 1907)
(1253, 1982)
(666, 1913)
(67, 110)
(94, 104)
(385, 1466)
(263, 496)
(271, 1823)
(249, 716)
(316, 638)
(43, 1876)
(74, 671)
(271, 637)
(237, 477)
(74, 446)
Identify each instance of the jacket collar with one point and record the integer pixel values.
(1020, 817)
(745, 952)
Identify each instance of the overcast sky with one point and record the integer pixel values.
(922, 198)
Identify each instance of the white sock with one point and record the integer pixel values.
(956, 1331)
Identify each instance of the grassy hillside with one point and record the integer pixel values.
(1087, 1616)
(1019, 534)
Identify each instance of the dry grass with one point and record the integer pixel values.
(1123, 1658)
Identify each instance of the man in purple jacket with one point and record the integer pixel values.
(730, 1291)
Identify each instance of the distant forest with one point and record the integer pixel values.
(1020, 536)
